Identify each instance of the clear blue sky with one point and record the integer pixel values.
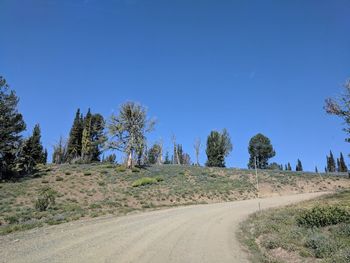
(248, 66)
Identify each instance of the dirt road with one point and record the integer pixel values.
(202, 233)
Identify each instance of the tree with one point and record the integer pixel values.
(331, 166)
(154, 154)
(74, 146)
(260, 148)
(186, 159)
(167, 158)
(218, 147)
(31, 153)
(197, 147)
(98, 137)
(86, 143)
(176, 157)
(59, 152)
(289, 167)
(341, 107)
(299, 167)
(11, 127)
(342, 166)
(316, 170)
(128, 129)
(274, 166)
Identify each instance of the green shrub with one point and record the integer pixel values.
(321, 245)
(120, 169)
(135, 170)
(67, 173)
(87, 174)
(159, 178)
(321, 216)
(12, 219)
(144, 181)
(46, 199)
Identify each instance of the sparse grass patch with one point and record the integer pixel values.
(144, 181)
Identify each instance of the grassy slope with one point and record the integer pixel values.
(99, 189)
(275, 235)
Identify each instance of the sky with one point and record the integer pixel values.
(197, 65)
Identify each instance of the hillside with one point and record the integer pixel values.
(101, 189)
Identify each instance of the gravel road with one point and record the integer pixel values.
(201, 233)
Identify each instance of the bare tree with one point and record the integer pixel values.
(197, 146)
(160, 156)
(176, 153)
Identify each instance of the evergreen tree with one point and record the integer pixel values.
(11, 127)
(289, 167)
(75, 138)
(98, 137)
(260, 148)
(31, 153)
(299, 167)
(316, 170)
(218, 147)
(342, 166)
(285, 167)
(167, 159)
(331, 167)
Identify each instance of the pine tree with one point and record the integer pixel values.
(331, 167)
(316, 170)
(167, 159)
(285, 167)
(75, 138)
(218, 147)
(31, 153)
(289, 167)
(299, 167)
(342, 166)
(260, 150)
(11, 127)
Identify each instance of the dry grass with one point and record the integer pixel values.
(99, 189)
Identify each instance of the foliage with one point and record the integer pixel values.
(341, 107)
(75, 137)
(260, 150)
(128, 129)
(11, 126)
(321, 216)
(320, 244)
(31, 153)
(218, 147)
(299, 167)
(341, 165)
(331, 163)
(154, 154)
(145, 181)
(46, 199)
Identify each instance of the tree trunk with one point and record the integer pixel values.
(129, 162)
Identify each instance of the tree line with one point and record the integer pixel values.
(91, 135)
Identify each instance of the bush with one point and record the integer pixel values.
(144, 181)
(59, 178)
(135, 170)
(121, 169)
(321, 245)
(46, 199)
(87, 174)
(323, 216)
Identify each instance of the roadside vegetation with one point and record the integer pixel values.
(312, 231)
(62, 193)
